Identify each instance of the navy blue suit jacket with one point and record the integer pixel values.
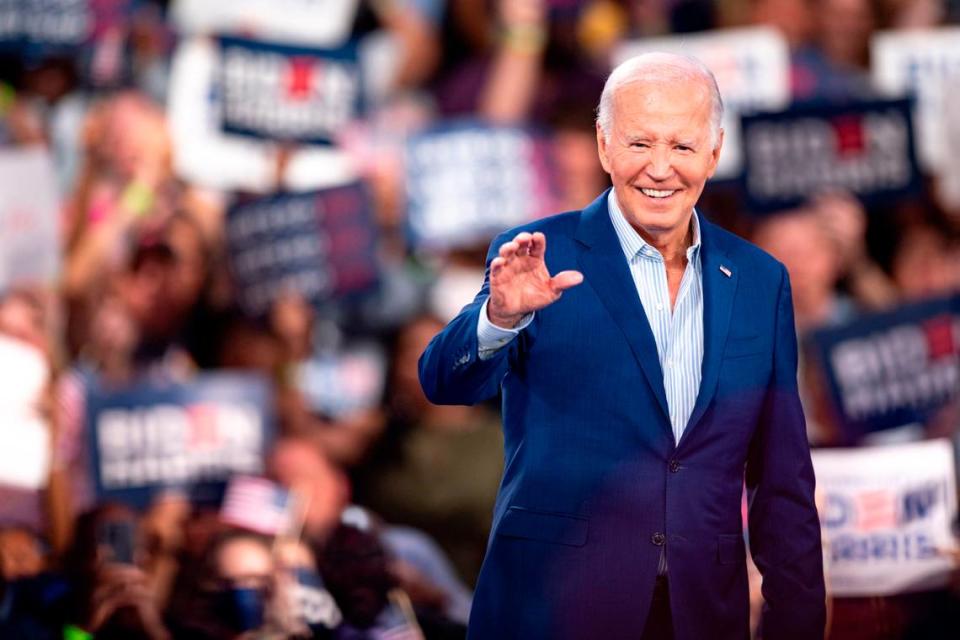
(594, 485)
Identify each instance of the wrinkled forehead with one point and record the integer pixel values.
(683, 90)
(678, 109)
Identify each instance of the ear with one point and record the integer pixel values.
(602, 148)
(715, 154)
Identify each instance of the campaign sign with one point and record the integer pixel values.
(25, 439)
(190, 436)
(922, 63)
(752, 68)
(865, 148)
(320, 23)
(203, 154)
(948, 178)
(288, 93)
(29, 218)
(892, 369)
(312, 602)
(468, 181)
(338, 383)
(886, 512)
(320, 244)
(57, 24)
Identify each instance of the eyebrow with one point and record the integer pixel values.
(685, 142)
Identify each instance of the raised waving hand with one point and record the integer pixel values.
(520, 282)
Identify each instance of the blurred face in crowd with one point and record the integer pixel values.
(147, 290)
(136, 140)
(659, 153)
(844, 29)
(406, 379)
(189, 267)
(797, 240)
(790, 17)
(580, 177)
(299, 465)
(167, 278)
(245, 562)
(922, 266)
(244, 568)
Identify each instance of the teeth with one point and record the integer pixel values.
(656, 193)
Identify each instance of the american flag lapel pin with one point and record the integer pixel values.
(725, 271)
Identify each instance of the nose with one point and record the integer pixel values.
(660, 167)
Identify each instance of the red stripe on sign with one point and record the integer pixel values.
(300, 78)
(849, 133)
(876, 510)
(939, 334)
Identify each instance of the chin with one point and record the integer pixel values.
(659, 221)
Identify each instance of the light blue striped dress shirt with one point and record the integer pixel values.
(678, 334)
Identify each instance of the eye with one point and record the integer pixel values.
(639, 145)
(684, 148)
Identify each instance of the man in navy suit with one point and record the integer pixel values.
(643, 384)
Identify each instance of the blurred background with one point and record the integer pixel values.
(228, 230)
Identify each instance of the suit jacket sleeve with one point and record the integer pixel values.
(783, 521)
(451, 371)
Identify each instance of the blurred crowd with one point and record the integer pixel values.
(396, 495)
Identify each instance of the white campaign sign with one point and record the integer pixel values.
(923, 63)
(948, 185)
(319, 23)
(752, 67)
(29, 218)
(205, 155)
(470, 181)
(886, 512)
(24, 437)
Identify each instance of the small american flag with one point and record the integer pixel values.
(405, 625)
(257, 504)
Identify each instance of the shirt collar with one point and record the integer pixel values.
(633, 243)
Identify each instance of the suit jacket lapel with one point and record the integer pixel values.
(718, 291)
(606, 271)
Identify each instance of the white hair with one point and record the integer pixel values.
(661, 68)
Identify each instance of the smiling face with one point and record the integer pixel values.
(659, 153)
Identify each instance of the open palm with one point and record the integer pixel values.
(520, 282)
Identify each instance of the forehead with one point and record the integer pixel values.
(244, 557)
(679, 108)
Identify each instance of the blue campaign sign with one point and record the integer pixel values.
(282, 92)
(892, 369)
(191, 437)
(58, 26)
(320, 244)
(468, 181)
(864, 148)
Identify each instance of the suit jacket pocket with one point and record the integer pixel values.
(558, 528)
(731, 548)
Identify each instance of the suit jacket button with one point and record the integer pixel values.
(674, 466)
(658, 539)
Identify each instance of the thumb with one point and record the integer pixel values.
(566, 279)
